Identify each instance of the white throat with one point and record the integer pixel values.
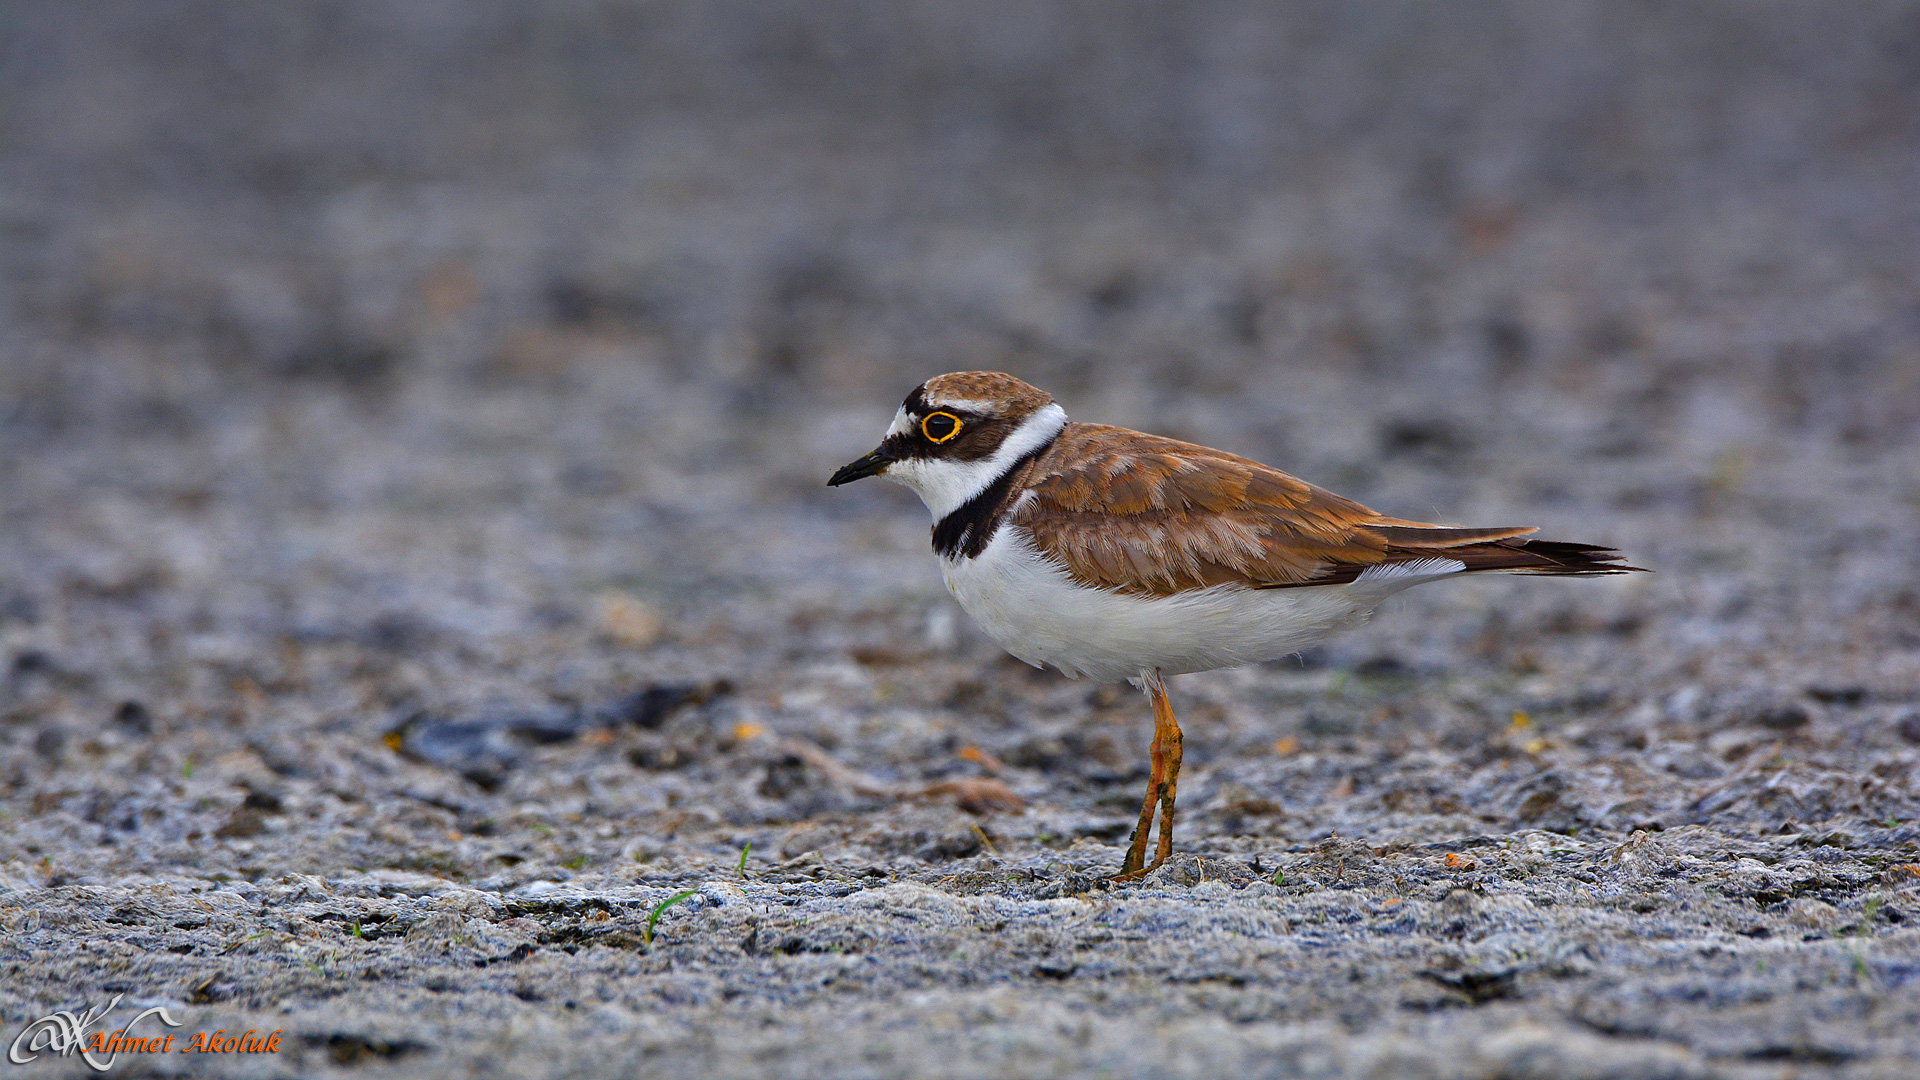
(946, 485)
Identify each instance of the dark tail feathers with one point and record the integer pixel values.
(1552, 558)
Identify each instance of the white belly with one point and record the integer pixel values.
(1036, 612)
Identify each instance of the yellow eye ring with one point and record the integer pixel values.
(927, 426)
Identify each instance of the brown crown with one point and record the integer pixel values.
(1001, 395)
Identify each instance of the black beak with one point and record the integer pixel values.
(872, 465)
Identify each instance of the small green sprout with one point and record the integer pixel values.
(1279, 877)
(186, 768)
(250, 937)
(659, 909)
(742, 868)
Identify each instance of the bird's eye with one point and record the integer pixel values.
(939, 427)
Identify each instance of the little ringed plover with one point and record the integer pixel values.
(1111, 553)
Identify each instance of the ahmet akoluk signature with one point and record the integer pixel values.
(66, 1033)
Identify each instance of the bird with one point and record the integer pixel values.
(1113, 554)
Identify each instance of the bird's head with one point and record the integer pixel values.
(958, 433)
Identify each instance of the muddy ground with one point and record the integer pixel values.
(415, 564)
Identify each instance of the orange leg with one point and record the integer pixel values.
(1162, 785)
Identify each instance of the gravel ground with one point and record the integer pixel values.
(416, 569)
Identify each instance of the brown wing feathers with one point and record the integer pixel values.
(1412, 534)
(1151, 516)
(1550, 558)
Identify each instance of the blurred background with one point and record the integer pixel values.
(507, 345)
(414, 425)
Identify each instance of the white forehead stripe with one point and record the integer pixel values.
(972, 405)
(945, 484)
(899, 425)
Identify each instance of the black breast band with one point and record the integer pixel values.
(966, 531)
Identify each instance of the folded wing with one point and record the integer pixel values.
(1149, 516)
